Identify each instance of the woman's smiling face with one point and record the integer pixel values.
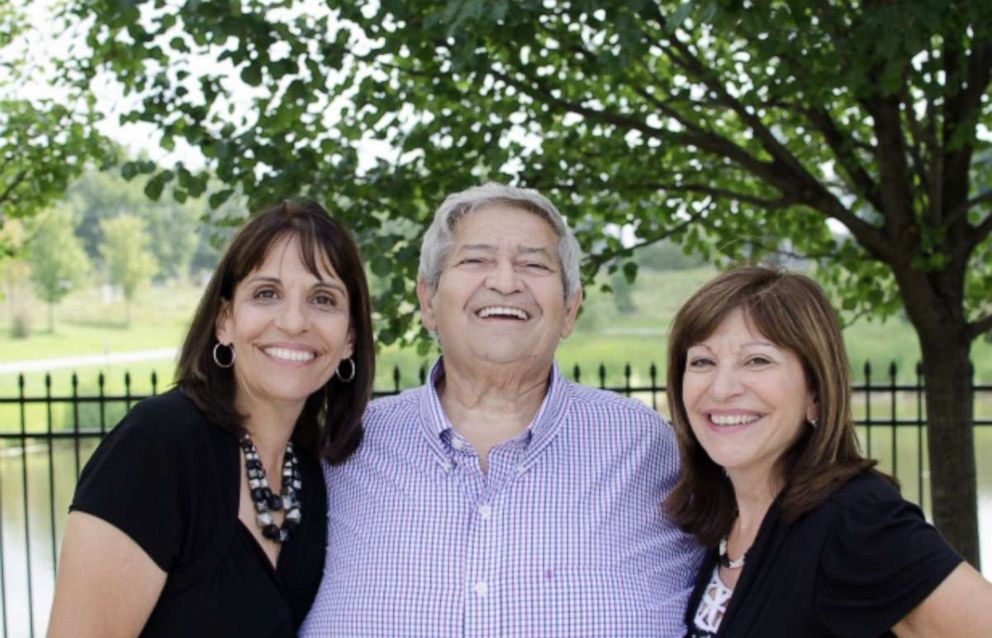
(289, 329)
(746, 398)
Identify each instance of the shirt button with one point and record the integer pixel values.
(457, 443)
(481, 588)
(485, 511)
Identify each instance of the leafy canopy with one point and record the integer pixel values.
(734, 129)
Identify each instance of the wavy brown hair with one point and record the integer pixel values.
(331, 421)
(791, 311)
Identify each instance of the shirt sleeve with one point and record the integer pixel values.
(880, 561)
(133, 481)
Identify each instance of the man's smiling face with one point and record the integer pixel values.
(500, 297)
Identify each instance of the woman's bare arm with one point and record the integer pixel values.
(106, 585)
(961, 606)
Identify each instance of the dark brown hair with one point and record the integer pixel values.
(331, 420)
(792, 312)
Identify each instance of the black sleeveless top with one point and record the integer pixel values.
(171, 481)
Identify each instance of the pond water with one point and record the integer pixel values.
(28, 593)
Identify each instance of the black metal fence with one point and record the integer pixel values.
(46, 439)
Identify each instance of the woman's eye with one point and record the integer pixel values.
(265, 293)
(470, 260)
(700, 362)
(325, 300)
(759, 361)
(537, 266)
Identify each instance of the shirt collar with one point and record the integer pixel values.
(541, 431)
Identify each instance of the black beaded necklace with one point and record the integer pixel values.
(261, 494)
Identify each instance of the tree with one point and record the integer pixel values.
(735, 129)
(44, 143)
(14, 274)
(172, 227)
(126, 257)
(58, 261)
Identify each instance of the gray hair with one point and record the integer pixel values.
(439, 238)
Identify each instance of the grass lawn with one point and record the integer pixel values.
(87, 325)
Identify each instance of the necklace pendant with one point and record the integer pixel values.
(262, 497)
(724, 559)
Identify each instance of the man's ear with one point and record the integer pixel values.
(425, 294)
(571, 311)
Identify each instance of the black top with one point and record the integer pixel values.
(853, 567)
(171, 481)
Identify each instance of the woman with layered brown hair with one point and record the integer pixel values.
(806, 538)
(203, 513)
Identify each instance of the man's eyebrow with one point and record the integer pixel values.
(531, 250)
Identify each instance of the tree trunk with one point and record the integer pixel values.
(950, 436)
(51, 318)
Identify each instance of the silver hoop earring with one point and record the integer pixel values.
(217, 359)
(351, 376)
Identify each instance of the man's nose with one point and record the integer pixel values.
(503, 278)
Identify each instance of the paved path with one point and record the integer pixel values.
(47, 365)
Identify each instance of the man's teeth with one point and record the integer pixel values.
(289, 355)
(732, 419)
(506, 311)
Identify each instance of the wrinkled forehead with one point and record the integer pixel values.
(504, 208)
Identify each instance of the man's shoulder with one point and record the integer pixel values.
(388, 408)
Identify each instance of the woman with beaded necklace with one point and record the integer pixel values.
(805, 538)
(203, 512)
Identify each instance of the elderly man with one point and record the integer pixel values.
(500, 499)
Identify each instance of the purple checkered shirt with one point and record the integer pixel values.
(563, 536)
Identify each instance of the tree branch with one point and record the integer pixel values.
(896, 195)
(786, 173)
(981, 231)
(963, 100)
(841, 145)
(980, 326)
(6, 194)
(596, 261)
(963, 208)
(725, 193)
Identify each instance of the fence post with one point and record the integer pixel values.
(27, 513)
(919, 432)
(51, 468)
(103, 404)
(653, 374)
(893, 410)
(75, 421)
(868, 406)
